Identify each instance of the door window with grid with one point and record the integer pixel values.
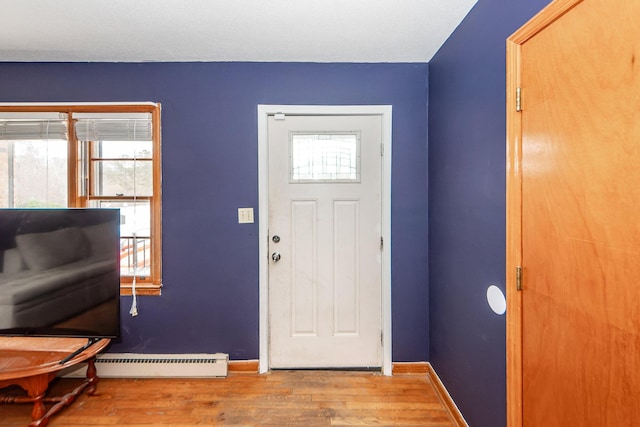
(324, 157)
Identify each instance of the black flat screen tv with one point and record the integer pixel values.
(60, 272)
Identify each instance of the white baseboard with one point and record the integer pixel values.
(132, 365)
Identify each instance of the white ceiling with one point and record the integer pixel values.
(227, 30)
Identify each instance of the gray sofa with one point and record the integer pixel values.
(49, 277)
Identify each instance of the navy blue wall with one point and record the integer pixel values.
(209, 129)
(467, 206)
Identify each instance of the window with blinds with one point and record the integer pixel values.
(33, 159)
(100, 156)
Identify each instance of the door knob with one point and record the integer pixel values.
(275, 256)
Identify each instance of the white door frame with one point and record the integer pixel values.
(263, 211)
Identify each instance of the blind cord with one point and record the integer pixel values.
(134, 302)
(46, 190)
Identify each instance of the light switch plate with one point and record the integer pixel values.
(245, 215)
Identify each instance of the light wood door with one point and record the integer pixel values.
(325, 229)
(574, 225)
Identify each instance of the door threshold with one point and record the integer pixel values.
(344, 369)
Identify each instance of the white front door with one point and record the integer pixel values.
(325, 182)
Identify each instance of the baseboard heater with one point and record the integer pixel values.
(130, 365)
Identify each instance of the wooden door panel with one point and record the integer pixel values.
(580, 234)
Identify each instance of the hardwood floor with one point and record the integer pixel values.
(281, 398)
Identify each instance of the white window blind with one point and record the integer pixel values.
(33, 126)
(113, 126)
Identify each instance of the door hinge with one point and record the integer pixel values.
(381, 337)
(518, 99)
(381, 242)
(382, 149)
(518, 278)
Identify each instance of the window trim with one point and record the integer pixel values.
(153, 284)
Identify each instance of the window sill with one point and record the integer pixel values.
(141, 289)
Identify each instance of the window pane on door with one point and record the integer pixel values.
(33, 173)
(322, 157)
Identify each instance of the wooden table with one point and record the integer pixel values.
(31, 363)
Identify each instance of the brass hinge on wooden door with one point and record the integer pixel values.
(518, 99)
(518, 278)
